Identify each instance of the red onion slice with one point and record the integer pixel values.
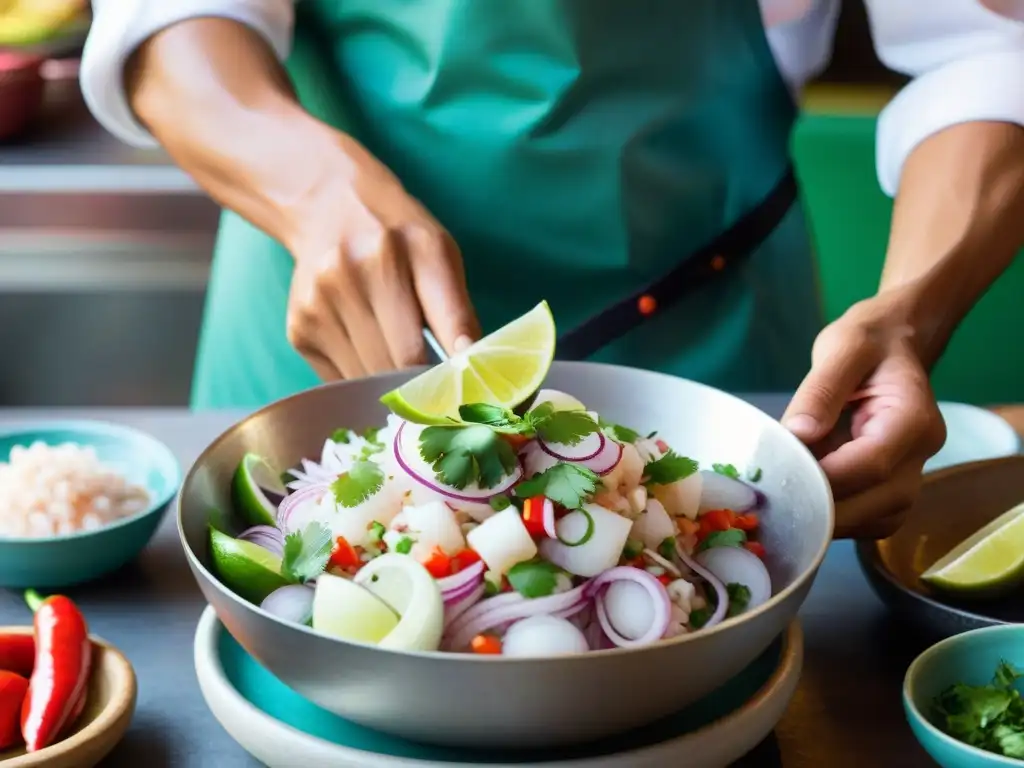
(721, 492)
(455, 609)
(588, 448)
(734, 565)
(291, 603)
(483, 494)
(606, 460)
(457, 583)
(293, 501)
(266, 536)
(720, 591)
(659, 597)
(483, 616)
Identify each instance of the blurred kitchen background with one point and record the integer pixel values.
(104, 250)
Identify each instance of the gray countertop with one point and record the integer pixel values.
(846, 711)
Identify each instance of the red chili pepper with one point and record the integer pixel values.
(17, 654)
(533, 515)
(13, 688)
(58, 687)
(715, 520)
(463, 560)
(747, 522)
(344, 555)
(438, 564)
(756, 547)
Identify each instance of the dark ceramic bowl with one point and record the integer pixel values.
(955, 502)
(467, 700)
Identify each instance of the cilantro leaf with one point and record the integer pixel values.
(699, 617)
(372, 435)
(739, 598)
(566, 427)
(363, 480)
(990, 717)
(534, 578)
(342, 436)
(618, 432)
(726, 469)
(667, 548)
(490, 415)
(404, 546)
(730, 538)
(306, 553)
(754, 475)
(463, 455)
(668, 469)
(499, 503)
(567, 484)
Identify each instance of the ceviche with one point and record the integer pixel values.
(554, 531)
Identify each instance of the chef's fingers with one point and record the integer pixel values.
(348, 292)
(440, 284)
(878, 512)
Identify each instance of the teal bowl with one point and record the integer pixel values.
(56, 562)
(970, 658)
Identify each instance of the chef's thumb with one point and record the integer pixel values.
(444, 299)
(819, 401)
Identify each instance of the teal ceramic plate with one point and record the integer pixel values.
(65, 560)
(281, 729)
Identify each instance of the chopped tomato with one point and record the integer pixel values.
(665, 579)
(533, 516)
(344, 555)
(756, 547)
(438, 563)
(506, 586)
(463, 559)
(486, 644)
(687, 527)
(662, 445)
(747, 522)
(715, 520)
(636, 562)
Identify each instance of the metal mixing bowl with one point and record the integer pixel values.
(463, 700)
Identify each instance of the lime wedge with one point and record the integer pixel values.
(988, 562)
(408, 588)
(346, 610)
(246, 568)
(252, 477)
(504, 368)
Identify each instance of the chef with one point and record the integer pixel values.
(389, 164)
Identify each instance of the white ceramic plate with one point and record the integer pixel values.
(973, 434)
(279, 745)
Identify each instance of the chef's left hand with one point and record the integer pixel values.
(867, 411)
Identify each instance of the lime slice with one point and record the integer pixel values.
(504, 369)
(412, 592)
(988, 562)
(252, 477)
(246, 568)
(346, 610)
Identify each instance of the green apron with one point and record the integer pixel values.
(576, 150)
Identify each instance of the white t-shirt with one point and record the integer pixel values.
(966, 57)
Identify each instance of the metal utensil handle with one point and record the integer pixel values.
(434, 344)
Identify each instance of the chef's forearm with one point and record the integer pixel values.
(214, 95)
(957, 224)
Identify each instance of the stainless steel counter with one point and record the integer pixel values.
(104, 257)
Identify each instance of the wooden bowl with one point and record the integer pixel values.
(108, 711)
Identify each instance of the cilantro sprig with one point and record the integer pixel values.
(562, 427)
(465, 455)
(570, 485)
(668, 469)
(534, 578)
(306, 553)
(990, 717)
(363, 480)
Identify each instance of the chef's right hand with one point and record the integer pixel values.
(371, 265)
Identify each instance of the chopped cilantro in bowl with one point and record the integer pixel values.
(989, 717)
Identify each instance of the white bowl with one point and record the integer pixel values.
(973, 434)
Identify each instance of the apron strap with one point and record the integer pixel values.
(713, 261)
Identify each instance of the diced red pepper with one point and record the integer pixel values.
(486, 644)
(344, 555)
(438, 563)
(533, 516)
(715, 520)
(665, 579)
(662, 445)
(747, 522)
(463, 560)
(516, 441)
(687, 527)
(756, 547)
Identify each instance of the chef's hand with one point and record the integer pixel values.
(868, 412)
(371, 264)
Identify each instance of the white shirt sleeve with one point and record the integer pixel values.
(120, 26)
(967, 62)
